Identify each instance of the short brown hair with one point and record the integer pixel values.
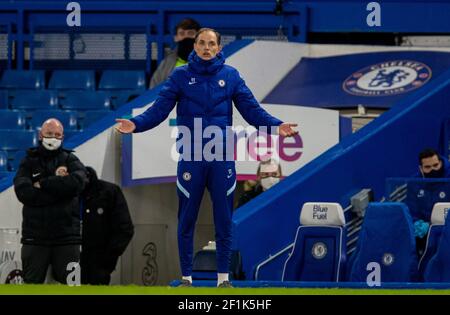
(206, 29)
(187, 24)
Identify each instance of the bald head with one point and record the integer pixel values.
(51, 128)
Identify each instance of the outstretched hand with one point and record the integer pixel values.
(286, 130)
(125, 126)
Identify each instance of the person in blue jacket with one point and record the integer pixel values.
(204, 91)
(431, 165)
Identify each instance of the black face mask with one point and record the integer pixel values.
(435, 173)
(185, 47)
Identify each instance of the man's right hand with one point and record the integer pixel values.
(125, 126)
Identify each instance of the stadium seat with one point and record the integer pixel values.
(434, 234)
(93, 116)
(4, 104)
(122, 80)
(72, 80)
(319, 251)
(121, 97)
(386, 238)
(14, 140)
(23, 79)
(11, 119)
(438, 268)
(85, 100)
(33, 100)
(71, 133)
(67, 118)
(15, 159)
(3, 161)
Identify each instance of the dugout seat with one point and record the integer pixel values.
(4, 104)
(319, 252)
(438, 268)
(434, 234)
(386, 238)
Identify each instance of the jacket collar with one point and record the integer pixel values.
(200, 66)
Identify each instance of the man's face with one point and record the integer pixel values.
(182, 34)
(51, 130)
(206, 45)
(431, 164)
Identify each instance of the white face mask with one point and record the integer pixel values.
(51, 144)
(268, 182)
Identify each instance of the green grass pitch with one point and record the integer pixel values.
(141, 290)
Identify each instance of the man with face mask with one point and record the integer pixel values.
(48, 183)
(431, 165)
(185, 32)
(268, 175)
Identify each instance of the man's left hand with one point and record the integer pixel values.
(286, 130)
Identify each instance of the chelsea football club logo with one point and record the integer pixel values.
(221, 83)
(319, 250)
(388, 259)
(388, 78)
(187, 176)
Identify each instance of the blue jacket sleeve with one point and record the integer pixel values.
(161, 108)
(250, 109)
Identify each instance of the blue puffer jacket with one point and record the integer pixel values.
(206, 90)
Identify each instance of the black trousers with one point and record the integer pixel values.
(96, 267)
(36, 259)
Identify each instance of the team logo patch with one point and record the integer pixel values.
(388, 78)
(100, 211)
(442, 194)
(187, 176)
(421, 193)
(319, 250)
(388, 259)
(221, 83)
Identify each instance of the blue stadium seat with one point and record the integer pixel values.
(386, 238)
(15, 159)
(72, 80)
(122, 97)
(32, 100)
(434, 234)
(3, 161)
(12, 119)
(67, 118)
(122, 80)
(319, 252)
(93, 116)
(85, 100)
(14, 140)
(71, 133)
(4, 104)
(23, 79)
(438, 268)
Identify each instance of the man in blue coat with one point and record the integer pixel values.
(204, 91)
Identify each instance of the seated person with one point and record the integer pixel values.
(268, 174)
(431, 165)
